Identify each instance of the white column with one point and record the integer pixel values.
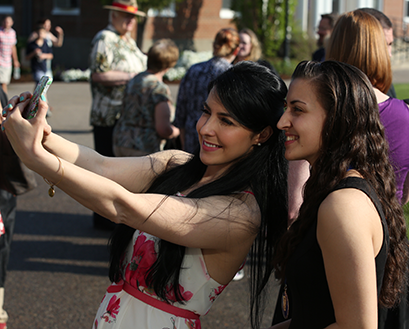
(301, 14)
(318, 7)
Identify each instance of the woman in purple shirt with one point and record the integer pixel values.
(363, 33)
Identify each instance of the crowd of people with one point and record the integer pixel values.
(308, 182)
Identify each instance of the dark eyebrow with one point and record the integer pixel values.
(224, 114)
(297, 101)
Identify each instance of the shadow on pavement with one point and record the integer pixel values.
(57, 242)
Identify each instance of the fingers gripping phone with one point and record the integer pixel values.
(41, 88)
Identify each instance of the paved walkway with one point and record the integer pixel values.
(401, 73)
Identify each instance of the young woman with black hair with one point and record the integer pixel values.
(347, 250)
(187, 222)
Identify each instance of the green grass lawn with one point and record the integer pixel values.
(402, 91)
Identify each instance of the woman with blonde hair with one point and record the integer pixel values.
(193, 87)
(250, 48)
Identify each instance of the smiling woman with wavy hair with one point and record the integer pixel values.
(347, 251)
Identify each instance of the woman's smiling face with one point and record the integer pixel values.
(222, 139)
(302, 122)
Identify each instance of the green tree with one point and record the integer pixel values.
(267, 19)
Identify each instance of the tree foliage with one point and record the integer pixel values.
(267, 19)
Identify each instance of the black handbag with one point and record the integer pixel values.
(15, 177)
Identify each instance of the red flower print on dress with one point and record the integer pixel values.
(143, 257)
(193, 324)
(187, 295)
(112, 309)
(216, 292)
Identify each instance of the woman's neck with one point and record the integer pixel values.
(230, 58)
(380, 96)
(159, 75)
(209, 176)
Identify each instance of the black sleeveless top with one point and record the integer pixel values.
(310, 303)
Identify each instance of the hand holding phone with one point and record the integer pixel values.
(31, 110)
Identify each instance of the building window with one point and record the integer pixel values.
(169, 11)
(6, 7)
(66, 7)
(225, 11)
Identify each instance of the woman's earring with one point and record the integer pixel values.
(258, 144)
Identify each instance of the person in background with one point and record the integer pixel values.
(362, 32)
(324, 31)
(193, 87)
(114, 60)
(38, 52)
(187, 220)
(347, 251)
(8, 51)
(388, 31)
(386, 26)
(145, 120)
(50, 38)
(250, 49)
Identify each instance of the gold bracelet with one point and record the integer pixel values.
(51, 190)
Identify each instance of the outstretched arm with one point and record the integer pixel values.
(135, 174)
(209, 223)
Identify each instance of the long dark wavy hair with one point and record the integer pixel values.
(254, 96)
(352, 135)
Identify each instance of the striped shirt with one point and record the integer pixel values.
(8, 39)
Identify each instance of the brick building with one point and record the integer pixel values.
(192, 25)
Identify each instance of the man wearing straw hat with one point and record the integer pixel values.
(114, 60)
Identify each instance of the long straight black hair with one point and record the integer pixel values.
(254, 96)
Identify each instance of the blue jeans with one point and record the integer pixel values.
(37, 75)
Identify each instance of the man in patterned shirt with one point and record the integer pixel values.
(114, 60)
(8, 51)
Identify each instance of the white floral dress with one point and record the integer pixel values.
(120, 309)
